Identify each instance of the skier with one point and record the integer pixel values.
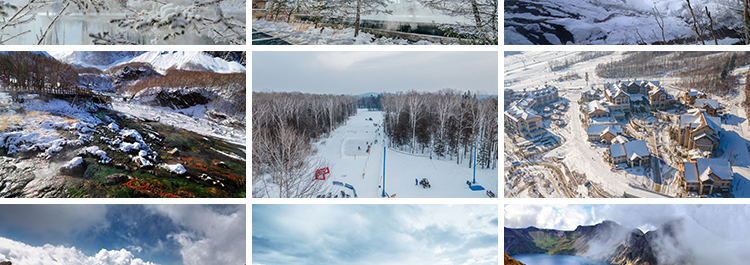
(416, 182)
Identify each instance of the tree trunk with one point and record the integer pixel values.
(356, 20)
(475, 10)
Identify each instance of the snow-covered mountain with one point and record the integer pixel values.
(188, 60)
(617, 21)
(97, 59)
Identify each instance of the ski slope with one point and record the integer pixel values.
(351, 165)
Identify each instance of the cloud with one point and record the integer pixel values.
(53, 220)
(547, 216)
(374, 234)
(21, 253)
(212, 234)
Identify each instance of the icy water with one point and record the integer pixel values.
(544, 259)
(75, 30)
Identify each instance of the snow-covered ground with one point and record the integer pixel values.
(531, 70)
(614, 21)
(194, 123)
(305, 33)
(345, 151)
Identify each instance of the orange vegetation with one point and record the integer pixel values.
(147, 187)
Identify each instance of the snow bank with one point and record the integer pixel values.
(73, 163)
(177, 169)
(329, 36)
(96, 152)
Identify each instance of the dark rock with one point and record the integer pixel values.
(76, 169)
(6, 263)
(116, 179)
(221, 164)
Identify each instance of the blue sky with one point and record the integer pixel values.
(375, 234)
(362, 72)
(112, 234)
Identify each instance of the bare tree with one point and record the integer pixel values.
(414, 104)
(289, 167)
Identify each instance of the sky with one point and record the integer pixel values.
(374, 234)
(363, 72)
(123, 234)
(722, 219)
(705, 234)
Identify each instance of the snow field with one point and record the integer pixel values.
(448, 180)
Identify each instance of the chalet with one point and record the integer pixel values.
(707, 175)
(595, 109)
(524, 122)
(633, 153)
(711, 106)
(690, 96)
(591, 94)
(658, 98)
(603, 133)
(698, 130)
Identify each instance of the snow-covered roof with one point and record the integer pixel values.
(517, 113)
(696, 118)
(691, 172)
(711, 103)
(599, 129)
(617, 150)
(638, 148)
(619, 139)
(596, 105)
(656, 89)
(718, 166)
(635, 97)
(695, 93)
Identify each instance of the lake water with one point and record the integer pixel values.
(75, 29)
(544, 259)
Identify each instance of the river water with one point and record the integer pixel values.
(544, 259)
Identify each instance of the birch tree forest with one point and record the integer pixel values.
(285, 126)
(443, 125)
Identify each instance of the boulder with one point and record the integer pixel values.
(143, 162)
(74, 167)
(174, 152)
(116, 179)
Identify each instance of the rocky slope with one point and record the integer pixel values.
(607, 241)
(511, 261)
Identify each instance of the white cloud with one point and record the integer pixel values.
(211, 237)
(21, 253)
(562, 217)
(375, 234)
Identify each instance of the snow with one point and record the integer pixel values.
(182, 121)
(96, 152)
(177, 168)
(188, 60)
(362, 171)
(75, 162)
(636, 149)
(328, 35)
(614, 22)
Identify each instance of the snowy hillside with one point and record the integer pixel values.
(97, 59)
(617, 21)
(188, 60)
